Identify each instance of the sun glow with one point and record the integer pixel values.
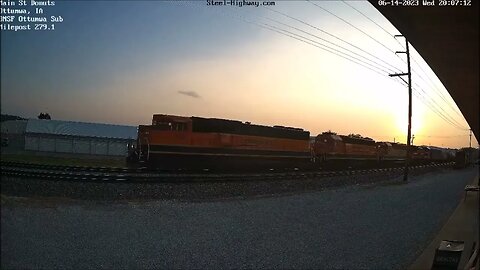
(402, 124)
(401, 119)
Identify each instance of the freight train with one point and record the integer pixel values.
(177, 142)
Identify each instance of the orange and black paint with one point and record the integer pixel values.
(189, 142)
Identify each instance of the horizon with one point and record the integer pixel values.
(364, 136)
(122, 62)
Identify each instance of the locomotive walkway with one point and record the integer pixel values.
(376, 227)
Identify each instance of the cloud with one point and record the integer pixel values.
(190, 94)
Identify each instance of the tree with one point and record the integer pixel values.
(329, 132)
(45, 116)
(355, 135)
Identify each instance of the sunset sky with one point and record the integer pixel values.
(121, 62)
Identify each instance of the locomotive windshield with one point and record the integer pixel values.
(171, 126)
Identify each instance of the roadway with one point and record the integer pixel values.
(374, 226)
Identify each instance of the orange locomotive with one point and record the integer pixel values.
(176, 142)
(331, 150)
(420, 154)
(392, 151)
(329, 145)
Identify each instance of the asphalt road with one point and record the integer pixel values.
(381, 227)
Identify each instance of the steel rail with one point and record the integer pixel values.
(102, 174)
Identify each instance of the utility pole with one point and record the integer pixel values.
(409, 132)
(470, 138)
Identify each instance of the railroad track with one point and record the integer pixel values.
(73, 168)
(104, 174)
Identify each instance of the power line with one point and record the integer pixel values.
(345, 21)
(447, 118)
(438, 113)
(336, 52)
(434, 106)
(435, 88)
(388, 33)
(427, 103)
(424, 99)
(296, 28)
(313, 42)
(431, 104)
(433, 100)
(310, 42)
(434, 109)
(421, 77)
(433, 136)
(437, 106)
(329, 34)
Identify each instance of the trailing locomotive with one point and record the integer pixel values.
(421, 154)
(176, 142)
(334, 150)
(389, 151)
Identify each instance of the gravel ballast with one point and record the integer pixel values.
(193, 191)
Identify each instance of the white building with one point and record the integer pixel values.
(13, 134)
(75, 137)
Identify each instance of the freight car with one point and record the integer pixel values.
(438, 154)
(397, 152)
(176, 142)
(465, 157)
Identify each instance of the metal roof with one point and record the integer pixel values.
(82, 129)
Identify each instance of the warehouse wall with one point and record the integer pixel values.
(14, 132)
(14, 126)
(76, 145)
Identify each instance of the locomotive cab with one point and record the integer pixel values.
(383, 148)
(166, 129)
(326, 143)
(171, 123)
